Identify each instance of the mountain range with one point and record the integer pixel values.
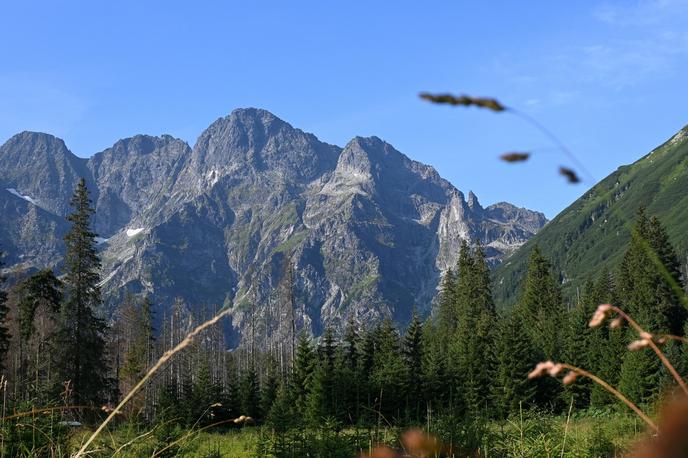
(359, 232)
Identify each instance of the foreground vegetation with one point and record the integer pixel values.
(460, 374)
(530, 434)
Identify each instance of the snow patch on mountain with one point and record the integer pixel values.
(133, 232)
(213, 177)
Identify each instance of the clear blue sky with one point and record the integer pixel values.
(610, 78)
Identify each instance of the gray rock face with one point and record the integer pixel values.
(134, 176)
(42, 168)
(367, 230)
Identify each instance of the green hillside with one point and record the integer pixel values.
(592, 233)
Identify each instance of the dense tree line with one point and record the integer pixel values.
(467, 360)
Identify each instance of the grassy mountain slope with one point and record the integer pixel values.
(592, 233)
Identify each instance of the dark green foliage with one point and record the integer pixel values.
(41, 290)
(413, 358)
(388, 375)
(580, 346)
(514, 357)
(38, 304)
(436, 380)
(473, 342)
(4, 331)
(348, 378)
(648, 294)
(319, 398)
(541, 307)
(81, 345)
(249, 393)
(19, 438)
(137, 335)
(282, 415)
(606, 346)
(147, 329)
(204, 394)
(543, 318)
(447, 303)
(268, 392)
(302, 373)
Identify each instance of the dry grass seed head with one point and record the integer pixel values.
(600, 315)
(515, 157)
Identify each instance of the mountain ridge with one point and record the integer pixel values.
(590, 235)
(367, 229)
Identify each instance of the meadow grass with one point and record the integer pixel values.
(591, 433)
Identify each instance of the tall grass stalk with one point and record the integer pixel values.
(566, 428)
(163, 359)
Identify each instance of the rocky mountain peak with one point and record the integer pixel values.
(40, 167)
(253, 142)
(473, 203)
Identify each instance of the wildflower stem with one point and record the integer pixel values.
(673, 337)
(614, 391)
(670, 367)
(533, 122)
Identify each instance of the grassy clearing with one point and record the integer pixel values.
(128, 442)
(588, 434)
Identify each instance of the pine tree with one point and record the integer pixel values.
(282, 415)
(268, 392)
(128, 354)
(578, 345)
(231, 399)
(351, 342)
(4, 331)
(147, 341)
(461, 328)
(668, 267)
(541, 306)
(542, 316)
(482, 283)
(347, 374)
(436, 385)
(606, 347)
(514, 357)
(413, 358)
(249, 393)
(39, 298)
(366, 363)
(476, 317)
(318, 397)
(446, 317)
(204, 394)
(147, 328)
(41, 289)
(346, 388)
(302, 372)
(647, 292)
(327, 354)
(168, 405)
(387, 378)
(81, 349)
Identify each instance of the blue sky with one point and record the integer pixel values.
(610, 78)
